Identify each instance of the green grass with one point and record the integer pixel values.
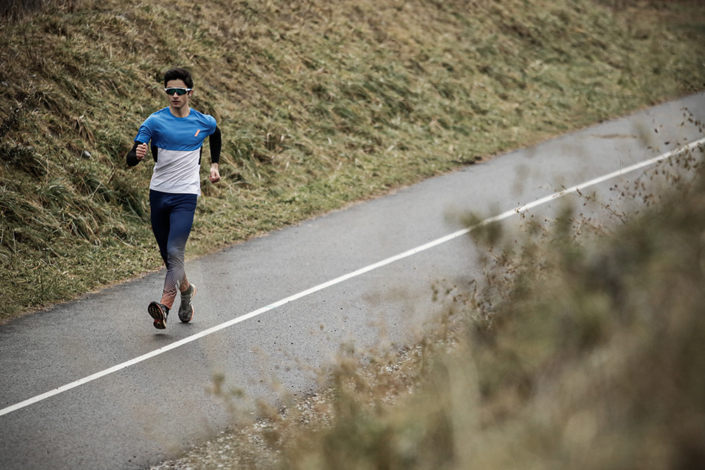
(320, 105)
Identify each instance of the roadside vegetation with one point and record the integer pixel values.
(321, 104)
(16, 9)
(582, 348)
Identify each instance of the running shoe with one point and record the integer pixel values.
(159, 312)
(186, 308)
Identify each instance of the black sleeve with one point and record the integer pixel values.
(132, 155)
(216, 142)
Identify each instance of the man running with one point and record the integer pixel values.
(176, 134)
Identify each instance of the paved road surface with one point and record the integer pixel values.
(145, 412)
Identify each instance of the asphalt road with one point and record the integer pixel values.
(149, 408)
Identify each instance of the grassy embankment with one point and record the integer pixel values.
(321, 104)
(582, 349)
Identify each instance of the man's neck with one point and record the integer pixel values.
(180, 112)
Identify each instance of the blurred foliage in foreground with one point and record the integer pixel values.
(581, 352)
(584, 348)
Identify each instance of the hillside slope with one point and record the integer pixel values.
(319, 104)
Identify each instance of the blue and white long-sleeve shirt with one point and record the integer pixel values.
(176, 145)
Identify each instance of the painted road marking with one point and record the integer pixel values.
(351, 275)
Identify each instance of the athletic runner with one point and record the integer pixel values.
(176, 134)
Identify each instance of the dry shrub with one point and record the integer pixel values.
(590, 357)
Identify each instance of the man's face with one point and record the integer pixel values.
(177, 101)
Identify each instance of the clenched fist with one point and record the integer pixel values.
(141, 151)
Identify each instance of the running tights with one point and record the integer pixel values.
(172, 218)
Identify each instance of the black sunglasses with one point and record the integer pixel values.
(178, 91)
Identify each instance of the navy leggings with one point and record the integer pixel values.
(172, 219)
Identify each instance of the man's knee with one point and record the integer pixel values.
(175, 255)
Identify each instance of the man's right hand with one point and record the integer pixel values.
(141, 151)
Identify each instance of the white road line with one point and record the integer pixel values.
(351, 275)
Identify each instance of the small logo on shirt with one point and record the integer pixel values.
(197, 132)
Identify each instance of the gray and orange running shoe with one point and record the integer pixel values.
(186, 308)
(159, 312)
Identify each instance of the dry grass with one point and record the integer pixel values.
(321, 104)
(15, 10)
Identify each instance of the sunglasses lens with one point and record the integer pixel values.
(178, 91)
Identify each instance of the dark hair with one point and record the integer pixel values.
(179, 74)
